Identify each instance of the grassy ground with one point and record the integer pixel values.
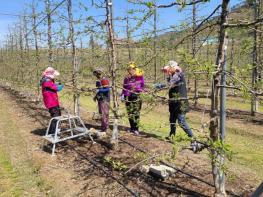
(19, 175)
(9, 177)
(234, 103)
(244, 137)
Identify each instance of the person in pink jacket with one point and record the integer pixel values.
(50, 96)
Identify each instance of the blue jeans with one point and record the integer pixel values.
(182, 123)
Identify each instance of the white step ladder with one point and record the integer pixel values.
(67, 127)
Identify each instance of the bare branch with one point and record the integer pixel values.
(244, 24)
(196, 32)
(180, 4)
(207, 18)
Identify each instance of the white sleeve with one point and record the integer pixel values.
(175, 79)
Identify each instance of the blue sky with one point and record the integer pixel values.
(166, 17)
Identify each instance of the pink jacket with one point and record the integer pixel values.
(49, 92)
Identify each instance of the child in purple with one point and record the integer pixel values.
(133, 85)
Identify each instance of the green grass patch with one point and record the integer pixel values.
(8, 177)
(233, 103)
(249, 152)
(19, 173)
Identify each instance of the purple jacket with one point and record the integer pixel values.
(133, 84)
(49, 92)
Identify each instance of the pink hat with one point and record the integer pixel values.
(50, 72)
(172, 65)
(165, 69)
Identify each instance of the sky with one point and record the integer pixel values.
(165, 18)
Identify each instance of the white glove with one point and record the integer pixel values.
(122, 97)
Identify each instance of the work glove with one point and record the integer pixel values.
(122, 98)
(60, 87)
(158, 86)
(95, 98)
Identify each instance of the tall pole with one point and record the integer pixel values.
(194, 49)
(223, 96)
(254, 102)
(218, 161)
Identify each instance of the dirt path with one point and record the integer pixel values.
(72, 171)
(36, 173)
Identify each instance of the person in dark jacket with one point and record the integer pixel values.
(50, 96)
(103, 98)
(178, 100)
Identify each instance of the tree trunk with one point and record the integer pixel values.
(91, 44)
(49, 32)
(128, 38)
(155, 43)
(113, 67)
(21, 49)
(34, 18)
(74, 59)
(218, 161)
(25, 33)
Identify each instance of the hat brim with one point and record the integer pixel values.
(56, 73)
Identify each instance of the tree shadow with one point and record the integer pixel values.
(39, 132)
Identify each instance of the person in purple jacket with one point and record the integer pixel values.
(50, 96)
(133, 85)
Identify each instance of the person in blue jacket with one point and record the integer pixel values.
(103, 98)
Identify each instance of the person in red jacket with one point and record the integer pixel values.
(50, 96)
